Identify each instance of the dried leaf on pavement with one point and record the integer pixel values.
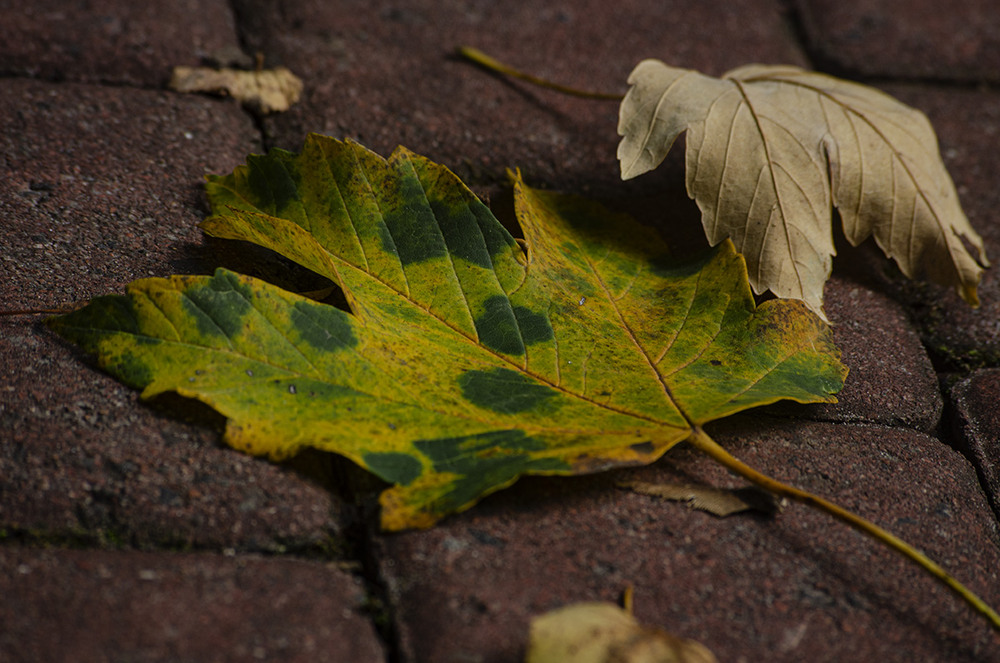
(771, 148)
(265, 90)
(604, 633)
(720, 502)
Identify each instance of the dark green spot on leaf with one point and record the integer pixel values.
(410, 225)
(535, 327)
(508, 330)
(394, 466)
(487, 459)
(323, 327)
(498, 327)
(461, 232)
(131, 370)
(220, 306)
(104, 314)
(462, 454)
(274, 180)
(503, 390)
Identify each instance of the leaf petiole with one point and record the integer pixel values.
(483, 60)
(701, 441)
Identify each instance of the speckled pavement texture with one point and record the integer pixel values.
(128, 532)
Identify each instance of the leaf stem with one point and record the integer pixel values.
(483, 60)
(701, 441)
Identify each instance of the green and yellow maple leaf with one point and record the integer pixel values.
(465, 361)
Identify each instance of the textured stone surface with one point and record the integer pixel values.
(977, 424)
(799, 587)
(958, 40)
(111, 41)
(90, 606)
(146, 480)
(100, 186)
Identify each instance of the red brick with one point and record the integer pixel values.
(977, 424)
(94, 606)
(111, 41)
(956, 41)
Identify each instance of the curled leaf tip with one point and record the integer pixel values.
(970, 294)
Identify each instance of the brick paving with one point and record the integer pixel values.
(127, 532)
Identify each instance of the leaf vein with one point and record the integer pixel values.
(350, 217)
(395, 252)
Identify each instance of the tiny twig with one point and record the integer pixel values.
(483, 60)
(701, 441)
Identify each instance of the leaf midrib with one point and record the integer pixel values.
(635, 341)
(516, 366)
(771, 165)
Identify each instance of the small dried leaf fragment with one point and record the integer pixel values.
(720, 502)
(264, 90)
(771, 148)
(601, 632)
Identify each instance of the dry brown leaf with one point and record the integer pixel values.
(769, 148)
(264, 90)
(720, 502)
(601, 632)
